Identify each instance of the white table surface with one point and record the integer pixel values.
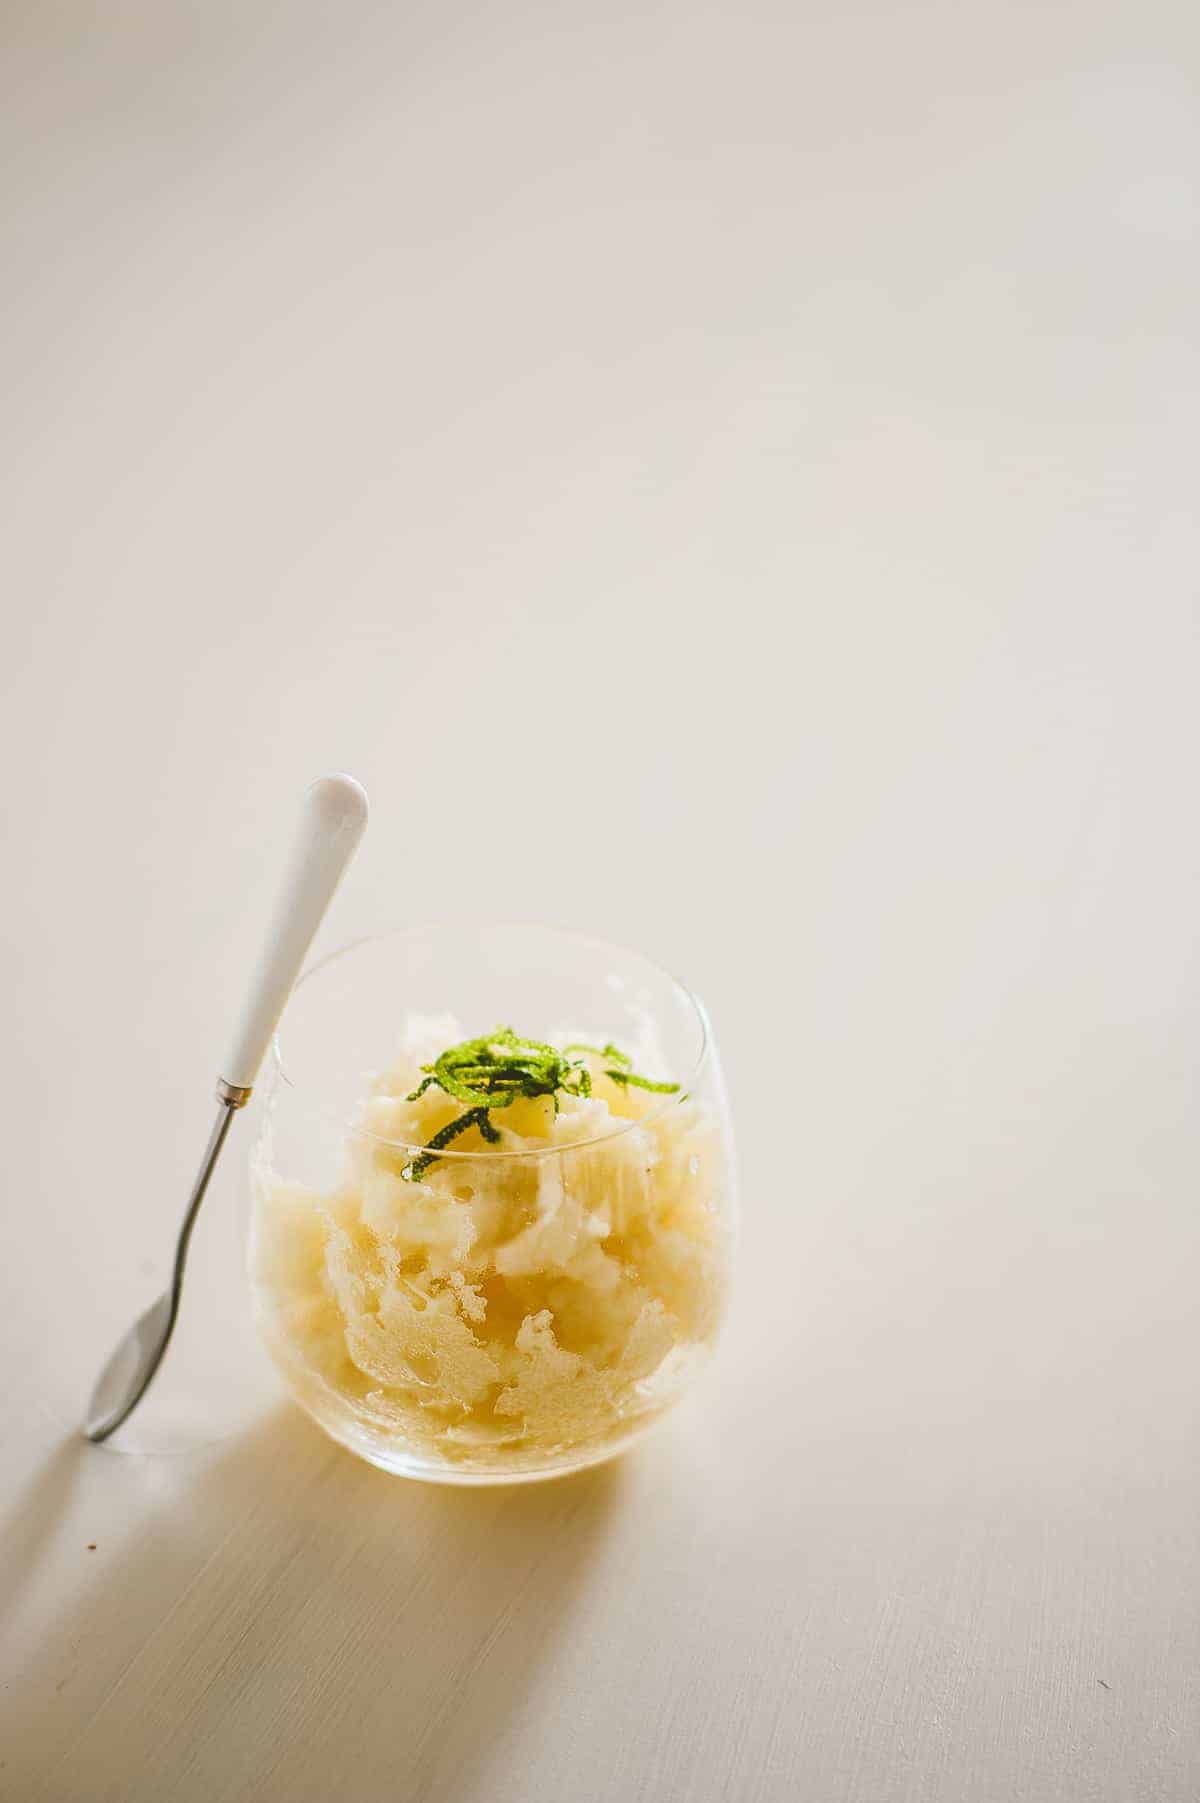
(723, 476)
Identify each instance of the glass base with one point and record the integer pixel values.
(427, 1471)
(389, 1453)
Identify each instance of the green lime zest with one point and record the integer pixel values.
(474, 1117)
(501, 1068)
(610, 1053)
(629, 1079)
(622, 1068)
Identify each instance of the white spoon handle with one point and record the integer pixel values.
(331, 825)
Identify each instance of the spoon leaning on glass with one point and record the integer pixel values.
(330, 827)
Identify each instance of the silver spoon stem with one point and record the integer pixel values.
(159, 1324)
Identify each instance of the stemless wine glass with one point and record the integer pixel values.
(517, 1310)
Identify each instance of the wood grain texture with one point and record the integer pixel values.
(775, 430)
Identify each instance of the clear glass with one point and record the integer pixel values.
(513, 1311)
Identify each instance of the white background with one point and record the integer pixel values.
(723, 477)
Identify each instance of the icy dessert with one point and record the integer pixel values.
(524, 1261)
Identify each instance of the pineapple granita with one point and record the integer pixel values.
(525, 1257)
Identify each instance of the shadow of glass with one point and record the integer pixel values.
(346, 1630)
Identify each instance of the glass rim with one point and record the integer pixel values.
(662, 1106)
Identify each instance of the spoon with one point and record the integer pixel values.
(331, 825)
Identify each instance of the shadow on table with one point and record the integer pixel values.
(295, 1625)
(38, 1513)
